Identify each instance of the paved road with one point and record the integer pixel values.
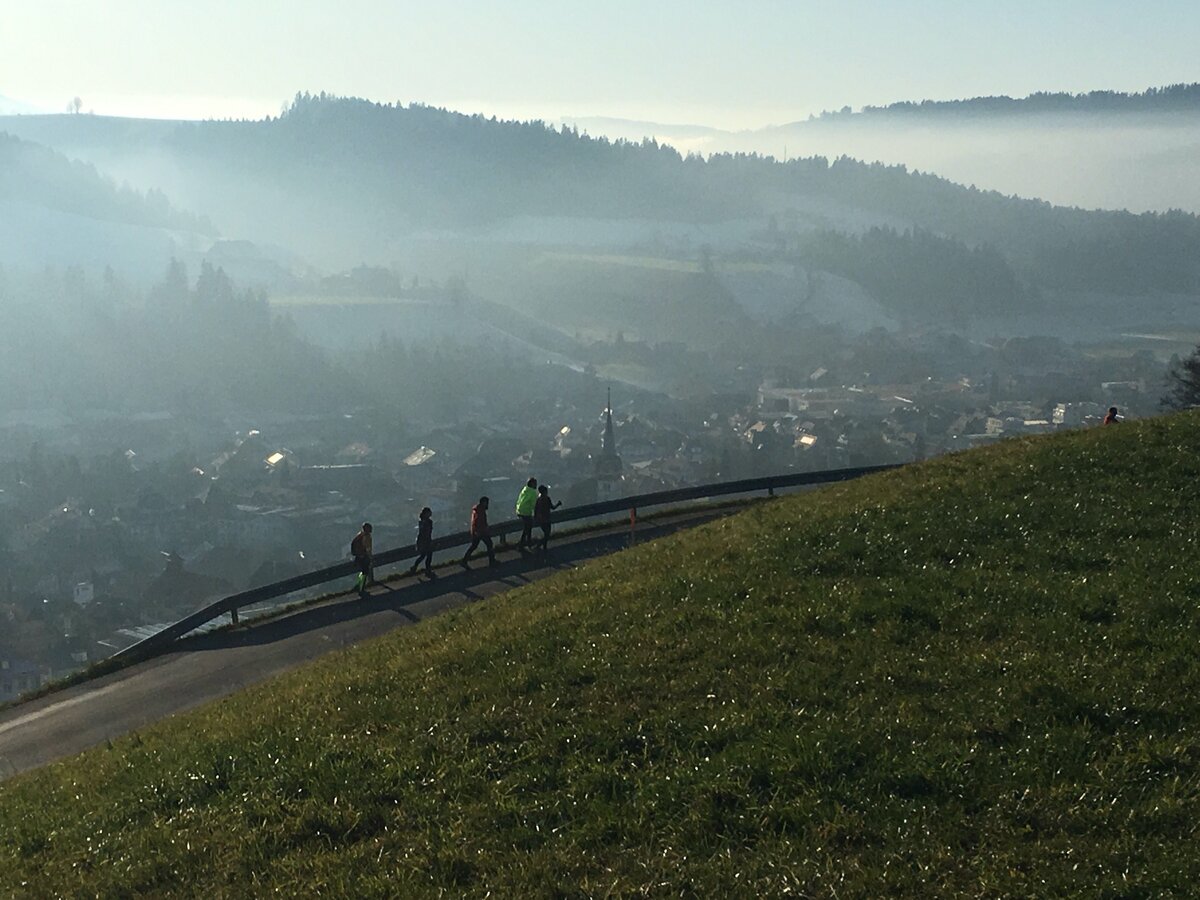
(207, 667)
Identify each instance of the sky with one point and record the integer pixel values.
(733, 65)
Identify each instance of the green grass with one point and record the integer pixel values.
(977, 677)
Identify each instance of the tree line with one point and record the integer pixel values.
(1169, 98)
(34, 173)
(201, 346)
(344, 172)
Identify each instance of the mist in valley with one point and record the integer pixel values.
(235, 340)
(1100, 151)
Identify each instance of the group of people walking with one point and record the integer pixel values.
(534, 508)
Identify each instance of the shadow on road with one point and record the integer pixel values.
(514, 570)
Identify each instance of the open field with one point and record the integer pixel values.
(973, 677)
(666, 264)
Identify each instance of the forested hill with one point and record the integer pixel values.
(343, 180)
(1175, 98)
(38, 176)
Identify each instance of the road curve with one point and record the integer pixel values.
(207, 667)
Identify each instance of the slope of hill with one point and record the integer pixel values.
(1103, 149)
(35, 174)
(10, 107)
(55, 211)
(973, 677)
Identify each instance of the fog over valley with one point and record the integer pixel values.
(226, 342)
(1103, 150)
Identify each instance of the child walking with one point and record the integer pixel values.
(424, 543)
(363, 552)
(541, 515)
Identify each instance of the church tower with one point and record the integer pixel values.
(608, 464)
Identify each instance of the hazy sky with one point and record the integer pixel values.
(730, 64)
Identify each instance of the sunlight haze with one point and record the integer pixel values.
(728, 65)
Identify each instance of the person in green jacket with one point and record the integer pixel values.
(526, 501)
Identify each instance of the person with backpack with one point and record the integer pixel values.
(526, 501)
(424, 543)
(541, 515)
(480, 534)
(361, 550)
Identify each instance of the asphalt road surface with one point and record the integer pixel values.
(210, 666)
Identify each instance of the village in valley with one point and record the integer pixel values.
(100, 552)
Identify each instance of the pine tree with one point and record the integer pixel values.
(1183, 383)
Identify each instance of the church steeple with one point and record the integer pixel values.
(608, 464)
(608, 443)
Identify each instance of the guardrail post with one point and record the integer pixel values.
(771, 491)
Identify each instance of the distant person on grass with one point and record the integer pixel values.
(526, 501)
(541, 515)
(361, 550)
(424, 543)
(480, 534)
(1111, 418)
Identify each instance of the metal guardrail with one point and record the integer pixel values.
(231, 604)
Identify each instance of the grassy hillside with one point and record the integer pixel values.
(976, 677)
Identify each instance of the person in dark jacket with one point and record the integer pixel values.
(361, 549)
(424, 543)
(541, 515)
(480, 534)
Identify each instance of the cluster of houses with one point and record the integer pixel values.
(278, 500)
(814, 427)
(287, 497)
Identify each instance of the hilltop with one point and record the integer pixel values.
(975, 676)
(1174, 98)
(1098, 149)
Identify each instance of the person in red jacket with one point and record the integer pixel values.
(480, 533)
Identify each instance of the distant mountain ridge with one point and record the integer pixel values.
(344, 181)
(1172, 98)
(1176, 98)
